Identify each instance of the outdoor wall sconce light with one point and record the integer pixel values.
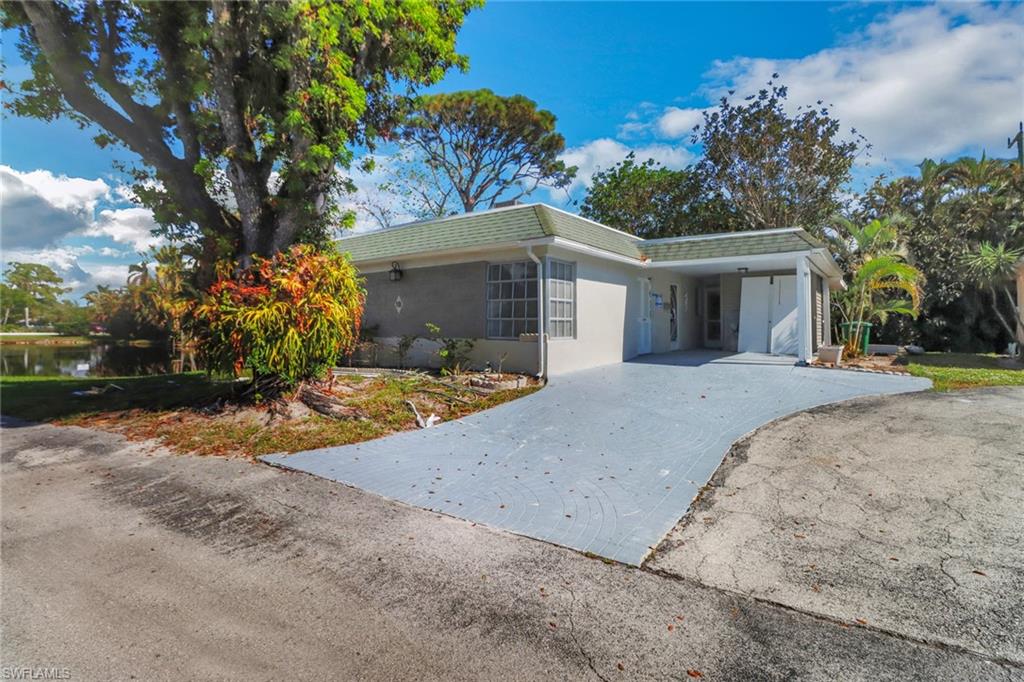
(396, 272)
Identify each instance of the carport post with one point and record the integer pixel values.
(826, 312)
(803, 308)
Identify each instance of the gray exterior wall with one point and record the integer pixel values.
(451, 296)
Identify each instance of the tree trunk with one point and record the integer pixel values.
(999, 314)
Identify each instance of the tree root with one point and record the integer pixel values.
(326, 403)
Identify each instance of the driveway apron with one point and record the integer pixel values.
(604, 460)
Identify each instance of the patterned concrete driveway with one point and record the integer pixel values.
(604, 460)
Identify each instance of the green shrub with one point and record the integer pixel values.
(454, 352)
(290, 316)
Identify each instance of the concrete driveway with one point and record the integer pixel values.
(605, 460)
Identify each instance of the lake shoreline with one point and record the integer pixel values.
(26, 340)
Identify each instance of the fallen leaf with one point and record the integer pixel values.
(671, 627)
(980, 573)
(861, 621)
(552, 625)
(694, 673)
(620, 666)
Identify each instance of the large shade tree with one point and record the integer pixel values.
(239, 112)
(473, 149)
(776, 167)
(652, 201)
(30, 288)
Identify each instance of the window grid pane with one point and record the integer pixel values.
(561, 299)
(511, 299)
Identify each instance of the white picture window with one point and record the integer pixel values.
(561, 299)
(511, 299)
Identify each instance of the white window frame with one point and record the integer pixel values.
(529, 321)
(570, 301)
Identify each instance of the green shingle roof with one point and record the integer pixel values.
(536, 221)
(502, 226)
(719, 246)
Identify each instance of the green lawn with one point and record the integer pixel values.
(49, 398)
(950, 371)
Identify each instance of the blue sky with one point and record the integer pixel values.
(919, 80)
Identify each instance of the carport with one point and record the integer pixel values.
(752, 302)
(603, 460)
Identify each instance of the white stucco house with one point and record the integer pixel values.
(548, 292)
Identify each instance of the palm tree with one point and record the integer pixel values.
(882, 283)
(994, 266)
(105, 302)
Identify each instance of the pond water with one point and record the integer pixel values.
(92, 360)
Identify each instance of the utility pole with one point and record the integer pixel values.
(1018, 139)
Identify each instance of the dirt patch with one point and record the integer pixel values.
(370, 408)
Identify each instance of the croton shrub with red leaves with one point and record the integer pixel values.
(290, 316)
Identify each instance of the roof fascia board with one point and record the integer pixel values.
(754, 258)
(568, 244)
(368, 264)
(443, 219)
(571, 245)
(720, 235)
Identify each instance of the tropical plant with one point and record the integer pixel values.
(951, 208)
(240, 112)
(286, 318)
(881, 283)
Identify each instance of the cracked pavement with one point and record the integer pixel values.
(902, 514)
(122, 560)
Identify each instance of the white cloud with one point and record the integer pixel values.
(74, 195)
(71, 263)
(27, 220)
(604, 153)
(133, 226)
(677, 122)
(39, 209)
(106, 274)
(926, 81)
(63, 260)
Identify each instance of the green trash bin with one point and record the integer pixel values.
(865, 333)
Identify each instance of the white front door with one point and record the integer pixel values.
(768, 317)
(785, 321)
(644, 341)
(755, 315)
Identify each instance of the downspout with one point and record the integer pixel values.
(542, 337)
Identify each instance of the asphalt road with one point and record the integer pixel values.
(122, 561)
